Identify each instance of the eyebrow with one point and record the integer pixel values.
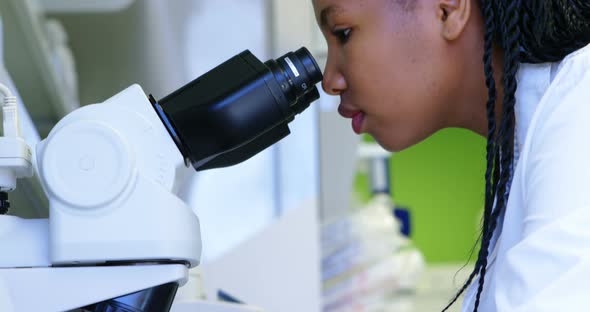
(327, 12)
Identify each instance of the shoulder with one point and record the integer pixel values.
(565, 107)
(556, 155)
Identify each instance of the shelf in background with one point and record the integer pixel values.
(28, 60)
(79, 6)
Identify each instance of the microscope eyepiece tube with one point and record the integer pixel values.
(239, 108)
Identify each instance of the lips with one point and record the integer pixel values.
(347, 112)
(357, 116)
(357, 122)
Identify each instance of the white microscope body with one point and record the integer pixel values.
(109, 173)
(112, 167)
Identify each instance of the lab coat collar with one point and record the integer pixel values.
(533, 81)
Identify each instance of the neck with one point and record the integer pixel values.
(475, 116)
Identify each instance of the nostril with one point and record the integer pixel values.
(330, 89)
(336, 91)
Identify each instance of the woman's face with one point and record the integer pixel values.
(399, 78)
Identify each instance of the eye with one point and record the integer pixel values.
(343, 35)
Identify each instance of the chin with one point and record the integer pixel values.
(393, 144)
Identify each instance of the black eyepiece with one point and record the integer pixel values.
(296, 73)
(239, 108)
(312, 68)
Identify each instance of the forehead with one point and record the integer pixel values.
(320, 5)
(360, 5)
(326, 8)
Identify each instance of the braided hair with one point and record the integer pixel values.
(528, 31)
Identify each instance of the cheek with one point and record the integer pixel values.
(402, 95)
(400, 69)
(407, 116)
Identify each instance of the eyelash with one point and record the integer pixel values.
(343, 35)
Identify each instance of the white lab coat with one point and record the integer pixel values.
(541, 261)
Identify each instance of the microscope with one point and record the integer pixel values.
(118, 238)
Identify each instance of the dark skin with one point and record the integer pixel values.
(411, 70)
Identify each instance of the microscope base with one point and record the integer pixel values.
(155, 299)
(68, 288)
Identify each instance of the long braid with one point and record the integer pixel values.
(490, 29)
(511, 35)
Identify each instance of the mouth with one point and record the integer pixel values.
(347, 112)
(357, 116)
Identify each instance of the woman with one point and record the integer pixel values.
(405, 69)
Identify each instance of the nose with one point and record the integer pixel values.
(334, 82)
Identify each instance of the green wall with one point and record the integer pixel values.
(441, 182)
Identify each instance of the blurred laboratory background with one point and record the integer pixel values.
(323, 221)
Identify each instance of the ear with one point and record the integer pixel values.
(453, 17)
